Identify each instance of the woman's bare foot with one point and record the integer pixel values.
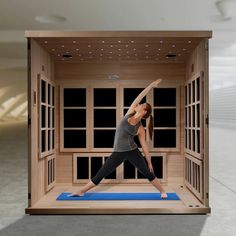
(81, 194)
(163, 195)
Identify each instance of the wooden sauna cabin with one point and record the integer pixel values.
(81, 83)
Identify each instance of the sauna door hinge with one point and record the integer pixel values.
(29, 195)
(207, 120)
(207, 195)
(206, 46)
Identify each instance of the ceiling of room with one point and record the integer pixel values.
(121, 49)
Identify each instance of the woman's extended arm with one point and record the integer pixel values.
(141, 95)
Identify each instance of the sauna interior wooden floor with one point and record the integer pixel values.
(188, 203)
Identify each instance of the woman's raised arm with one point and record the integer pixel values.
(141, 95)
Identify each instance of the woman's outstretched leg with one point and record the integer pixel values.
(138, 161)
(157, 184)
(84, 189)
(110, 165)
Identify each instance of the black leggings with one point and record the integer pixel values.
(116, 158)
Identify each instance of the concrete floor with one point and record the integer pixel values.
(13, 197)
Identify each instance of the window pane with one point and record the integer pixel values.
(164, 96)
(198, 89)
(129, 170)
(48, 147)
(74, 138)
(96, 164)
(49, 120)
(130, 94)
(43, 140)
(82, 168)
(74, 97)
(53, 114)
(157, 163)
(165, 138)
(53, 133)
(105, 97)
(53, 92)
(185, 95)
(43, 116)
(104, 118)
(189, 93)
(165, 117)
(104, 138)
(43, 91)
(75, 118)
(49, 94)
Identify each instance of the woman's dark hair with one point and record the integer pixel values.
(150, 124)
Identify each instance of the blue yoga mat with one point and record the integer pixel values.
(118, 196)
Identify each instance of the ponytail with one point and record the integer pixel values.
(150, 126)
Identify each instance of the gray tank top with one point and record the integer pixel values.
(124, 135)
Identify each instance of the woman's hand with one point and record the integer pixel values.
(155, 83)
(150, 167)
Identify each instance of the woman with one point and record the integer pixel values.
(126, 149)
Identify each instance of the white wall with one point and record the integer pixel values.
(13, 94)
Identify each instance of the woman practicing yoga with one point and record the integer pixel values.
(125, 148)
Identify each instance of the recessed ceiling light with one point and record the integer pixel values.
(132, 41)
(111, 46)
(62, 46)
(90, 52)
(67, 56)
(127, 45)
(45, 41)
(127, 52)
(77, 49)
(161, 41)
(119, 49)
(119, 41)
(170, 55)
(58, 54)
(53, 49)
(101, 55)
(184, 49)
(74, 41)
(189, 41)
(110, 52)
(50, 19)
(101, 49)
(134, 49)
(89, 46)
(103, 41)
(159, 49)
(173, 45)
(146, 45)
